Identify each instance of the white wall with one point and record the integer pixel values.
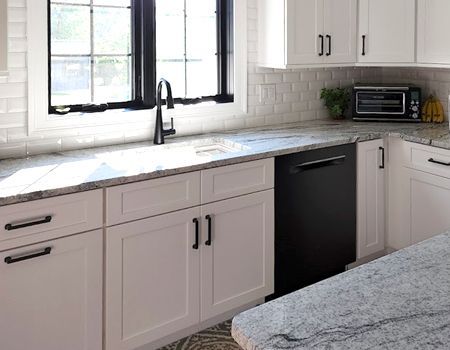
(297, 99)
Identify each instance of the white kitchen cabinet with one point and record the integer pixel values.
(152, 279)
(371, 196)
(426, 205)
(237, 252)
(51, 294)
(340, 24)
(162, 274)
(3, 36)
(306, 33)
(387, 31)
(433, 26)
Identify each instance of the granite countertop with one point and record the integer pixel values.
(401, 301)
(69, 172)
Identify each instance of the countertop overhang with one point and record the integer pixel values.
(56, 174)
(401, 301)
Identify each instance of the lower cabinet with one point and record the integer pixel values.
(152, 279)
(237, 267)
(164, 275)
(371, 198)
(427, 205)
(51, 295)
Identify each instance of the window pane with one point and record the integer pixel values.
(170, 44)
(121, 3)
(174, 72)
(70, 28)
(202, 77)
(112, 79)
(201, 48)
(112, 30)
(71, 83)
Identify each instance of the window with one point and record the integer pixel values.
(106, 54)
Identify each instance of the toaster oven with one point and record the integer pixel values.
(386, 103)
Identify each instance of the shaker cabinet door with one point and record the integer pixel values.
(152, 279)
(51, 295)
(237, 257)
(371, 196)
(433, 26)
(387, 31)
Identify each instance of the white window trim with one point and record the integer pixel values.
(40, 122)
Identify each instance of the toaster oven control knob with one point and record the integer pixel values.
(415, 108)
(415, 115)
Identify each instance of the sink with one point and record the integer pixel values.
(216, 146)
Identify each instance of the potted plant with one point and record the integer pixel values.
(336, 100)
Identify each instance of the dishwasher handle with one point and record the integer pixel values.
(315, 164)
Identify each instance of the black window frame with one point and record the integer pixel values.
(143, 26)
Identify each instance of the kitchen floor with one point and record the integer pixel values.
(214, 338)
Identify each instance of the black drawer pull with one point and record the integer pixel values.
(12, 260)
(329, 45)
(197, 234)
(209, 240)
(382, 158)
(317, 164)
(431, 160)
(321, 45)
(10, 227)
(363, 45)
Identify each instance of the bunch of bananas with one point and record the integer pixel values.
(433, 111)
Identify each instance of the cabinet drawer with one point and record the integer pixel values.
(430, 159)
(236, 180)
(34, 221)
(149, 198)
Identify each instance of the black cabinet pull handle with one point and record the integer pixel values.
(329, 45)
(12, 260)
(431, 160)
(209, 240)
(363, 45)
(382, 157)
(317, 164)
(197, 234)
(10, 227)
(321, 45)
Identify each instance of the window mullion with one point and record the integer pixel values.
(185, 50)
(92, 49)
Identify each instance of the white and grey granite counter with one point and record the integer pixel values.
(401, 301)
(62, 173)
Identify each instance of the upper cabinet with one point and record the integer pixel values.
(387, 31)
(3, 35)
(433, 26)
(307, 33)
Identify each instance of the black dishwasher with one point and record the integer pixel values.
(315, 216)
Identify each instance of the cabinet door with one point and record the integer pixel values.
(340, 31)
(387, 31)
(433, 27)
(427, 205)
(238, 266)
(152, 279)
(53, 299)
(304, 25)
(370, 198)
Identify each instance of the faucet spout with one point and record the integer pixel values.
(160, 132)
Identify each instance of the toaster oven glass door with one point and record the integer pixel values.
(380, 102)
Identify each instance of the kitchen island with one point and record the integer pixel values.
(401, 301)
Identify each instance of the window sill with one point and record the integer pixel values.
(117, 117)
